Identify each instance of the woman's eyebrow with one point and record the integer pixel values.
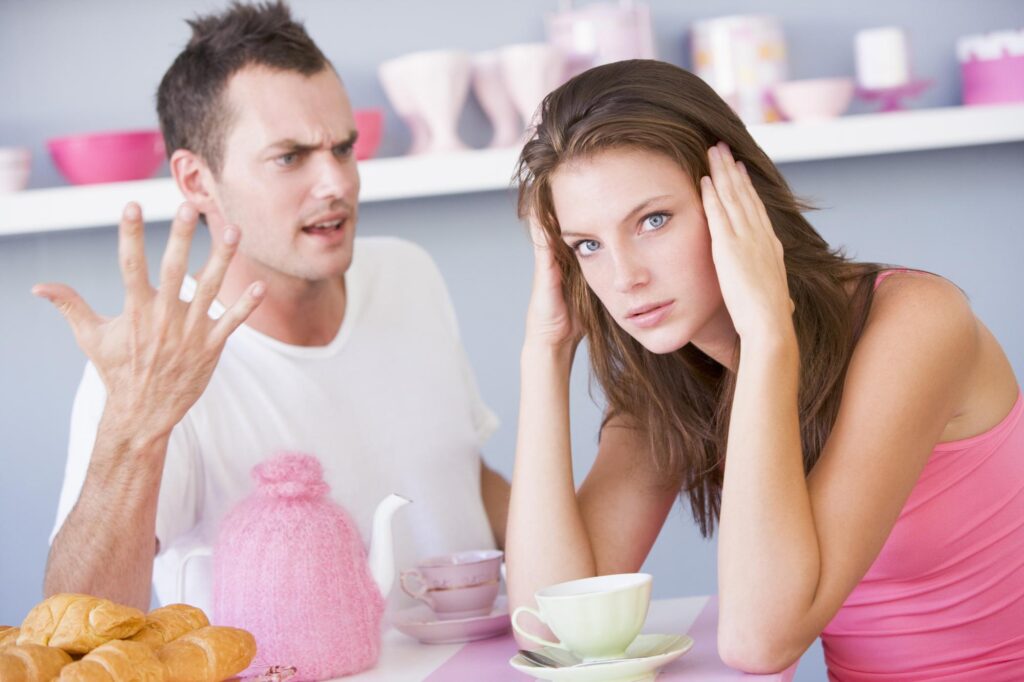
(639, 208)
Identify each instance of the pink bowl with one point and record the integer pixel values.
(370, 124)
(816, 98)
(108, 157)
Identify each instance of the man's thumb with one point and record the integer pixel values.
(72, 306)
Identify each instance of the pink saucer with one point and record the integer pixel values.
(420, 622)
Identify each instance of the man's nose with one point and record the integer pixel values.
(335, 177)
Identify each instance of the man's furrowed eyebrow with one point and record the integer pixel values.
(294, 146)
(639, 208)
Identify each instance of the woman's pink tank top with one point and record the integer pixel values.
(944, 600)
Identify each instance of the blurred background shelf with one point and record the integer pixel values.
(85, 206)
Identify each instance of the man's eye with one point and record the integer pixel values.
(289, 159)
(343, 150)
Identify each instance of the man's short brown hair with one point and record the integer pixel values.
(191, 102)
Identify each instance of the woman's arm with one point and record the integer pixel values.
(792, 549)
(553, 534)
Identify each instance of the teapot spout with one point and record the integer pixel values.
(382, 548)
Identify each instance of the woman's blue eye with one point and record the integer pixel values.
(655, 221)
(586, 247)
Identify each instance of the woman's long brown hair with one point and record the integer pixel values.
(681, 400)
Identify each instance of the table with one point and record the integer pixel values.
(403, 659)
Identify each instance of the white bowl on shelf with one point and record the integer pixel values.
(813, 99)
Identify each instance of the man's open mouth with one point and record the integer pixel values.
(324, 227)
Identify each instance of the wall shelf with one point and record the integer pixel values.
(85, 206)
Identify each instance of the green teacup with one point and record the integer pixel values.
(594, 618)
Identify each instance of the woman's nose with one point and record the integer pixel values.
(630, 271)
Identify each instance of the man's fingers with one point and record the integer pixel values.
(239, 312)
(80, 316)
(175, 262)
(131, 252)
(213, 273)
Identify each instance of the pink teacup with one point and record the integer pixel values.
(456, 585)
(461, 569)
(461, 602)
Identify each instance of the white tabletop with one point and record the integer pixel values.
(404, 659)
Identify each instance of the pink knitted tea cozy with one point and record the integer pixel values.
(290, 567)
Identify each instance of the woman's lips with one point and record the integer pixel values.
(652, 315)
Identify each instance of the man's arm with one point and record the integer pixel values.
(107, 543)
(155, 360)
(496, 492)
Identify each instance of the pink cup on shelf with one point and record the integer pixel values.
(992, 67)
(492, 93)
(396, 77)
(601, 33)
(429, 89)
(530, 72)
(369, 124)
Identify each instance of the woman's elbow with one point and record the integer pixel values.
(757, 652)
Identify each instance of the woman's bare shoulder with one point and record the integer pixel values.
(921, 313)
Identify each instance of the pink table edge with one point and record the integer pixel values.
(488, 659)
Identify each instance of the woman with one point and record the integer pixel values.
(855, 432)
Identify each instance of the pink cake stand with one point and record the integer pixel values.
(891, 98)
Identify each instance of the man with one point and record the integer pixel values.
(353, 359)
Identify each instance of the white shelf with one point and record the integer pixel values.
(64, 208)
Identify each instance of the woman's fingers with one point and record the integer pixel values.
(755, 199)
(84, 322)
(131, 252)
(718, 219)
(175, 261)
(545, 270)
(728, 183)
(538, 236)
(213, 274)
(238, 313)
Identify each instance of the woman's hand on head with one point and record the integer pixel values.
(549, 320)
(747, 254)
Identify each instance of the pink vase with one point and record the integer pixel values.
(290, 567)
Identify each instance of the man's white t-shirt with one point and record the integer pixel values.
(390, 405)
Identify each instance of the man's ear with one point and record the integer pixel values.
(194, 180)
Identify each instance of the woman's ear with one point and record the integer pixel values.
(194, 180)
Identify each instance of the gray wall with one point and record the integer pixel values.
(71, 66)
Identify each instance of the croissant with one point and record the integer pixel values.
(168, 623)
(78, 623)
(8, 635)
(209, 654)
(117, 661)
(31, 663)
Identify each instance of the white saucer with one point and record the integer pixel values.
(639, 667)
(420, 622)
